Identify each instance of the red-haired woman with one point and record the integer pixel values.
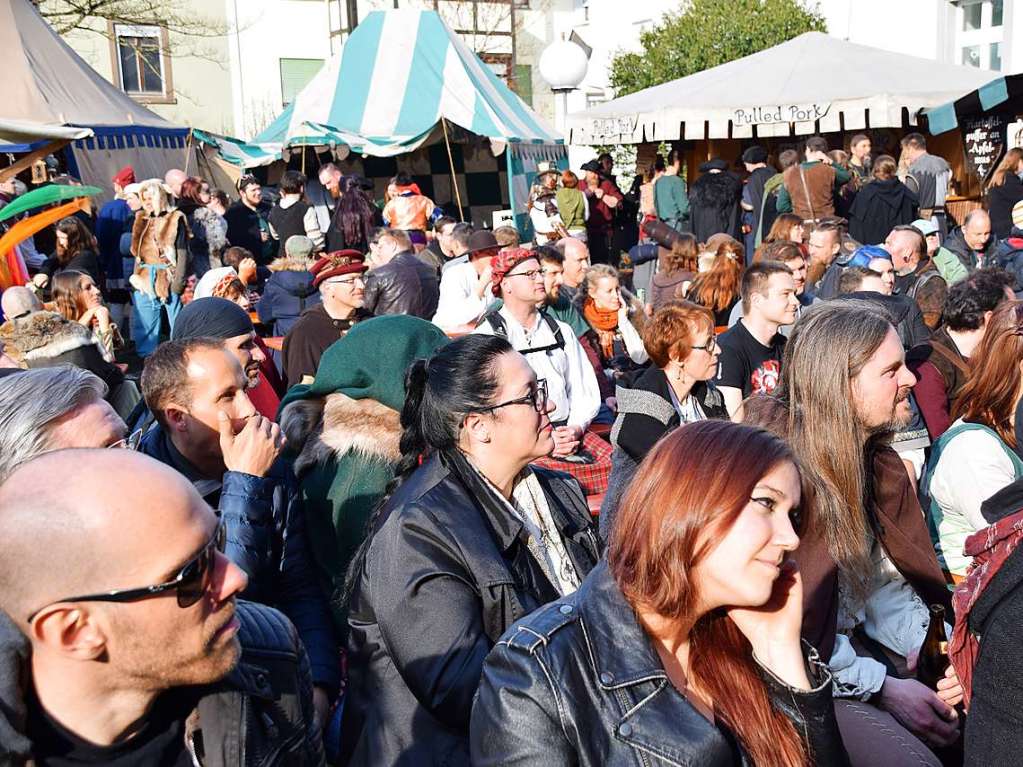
(718, 287)
(683, 647)
(977, 456)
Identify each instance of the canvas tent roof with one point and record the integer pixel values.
(47, 84)
(812, 83)
(397, 75)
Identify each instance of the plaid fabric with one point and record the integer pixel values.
(592, 476)
(989, 547)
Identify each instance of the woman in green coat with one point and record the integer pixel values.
(343, 432)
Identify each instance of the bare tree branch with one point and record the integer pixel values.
(176, 16)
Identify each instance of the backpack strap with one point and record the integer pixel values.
(496, 322)
(921, 281)
(952, 357)
(500, 328)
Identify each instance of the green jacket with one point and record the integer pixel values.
(949, 266)
(670, 198)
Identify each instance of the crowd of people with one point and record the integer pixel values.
(727, 473)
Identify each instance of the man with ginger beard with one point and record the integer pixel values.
(868, 567)
(135, 649)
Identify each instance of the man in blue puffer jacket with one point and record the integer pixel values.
(208, 429)
(290, 290)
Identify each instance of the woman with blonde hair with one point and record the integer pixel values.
(76, 297)
(159, 243)
(613, 321)
(718, 287)
(683, 647)
(1003, 191)
(978, 455)
(676, 269)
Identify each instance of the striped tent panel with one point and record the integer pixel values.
(395, 78)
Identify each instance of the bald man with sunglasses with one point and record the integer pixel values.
(126, 643)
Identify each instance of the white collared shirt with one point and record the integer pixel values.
(458, 303)
(571, 382)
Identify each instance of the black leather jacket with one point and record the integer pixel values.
(260, 715)
(578, 682)
(444, 578)
(404, 285)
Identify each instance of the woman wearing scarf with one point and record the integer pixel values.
(611, 317)
(471, 540)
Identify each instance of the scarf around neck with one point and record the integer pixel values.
(604, 323)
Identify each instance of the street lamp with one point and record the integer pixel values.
(563, 66)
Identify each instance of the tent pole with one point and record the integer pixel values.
(188, 150)
(303, 160)
(451, 163)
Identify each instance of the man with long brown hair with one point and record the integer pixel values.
(865, 553)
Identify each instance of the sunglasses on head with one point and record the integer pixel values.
(191, 582)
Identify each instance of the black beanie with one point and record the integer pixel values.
(211, 317)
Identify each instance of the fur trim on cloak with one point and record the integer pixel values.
(715, 190)
(42, 335)
(338, 424)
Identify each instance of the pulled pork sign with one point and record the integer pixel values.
(783, 113)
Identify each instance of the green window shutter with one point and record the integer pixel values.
(295, 75)
(523, 85)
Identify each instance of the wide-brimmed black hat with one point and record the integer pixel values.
(715, 164)
(482, 239)
(754, 155)
(592, 166)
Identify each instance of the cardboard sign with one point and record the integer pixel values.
(783, 113)
(983, 144)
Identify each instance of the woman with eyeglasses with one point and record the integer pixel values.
(683, 648)
(675, 390)
(470, 540)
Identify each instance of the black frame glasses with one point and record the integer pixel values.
(709, 347)
(537, 398)
(191, 582)
(532, 274)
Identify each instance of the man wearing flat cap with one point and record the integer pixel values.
(755, 160)
(714, 201)
(340, 278)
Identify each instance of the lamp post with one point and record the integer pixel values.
(563, 66)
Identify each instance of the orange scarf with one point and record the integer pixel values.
(604, 323)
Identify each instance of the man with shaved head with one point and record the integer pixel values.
(137, 651)
(973, 243)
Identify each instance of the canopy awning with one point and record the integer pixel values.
(991, 94)
(396, 77)
(813, 83)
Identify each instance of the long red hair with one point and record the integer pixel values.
(686, 494)
(718, 287)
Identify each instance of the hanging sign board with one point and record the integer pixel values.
(782, 113)
(612, 127)
(983, 143)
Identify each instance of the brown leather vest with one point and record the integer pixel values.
(815, 199)
(153, 241)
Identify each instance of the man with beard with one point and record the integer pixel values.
(867, 563)
(213, 317)
(208, 430)
(135, 648)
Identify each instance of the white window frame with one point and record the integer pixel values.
(128, 30)
(983, 37)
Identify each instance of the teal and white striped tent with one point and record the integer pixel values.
(385, 93)
(398, 74)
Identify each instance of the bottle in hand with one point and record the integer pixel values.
(933, 659)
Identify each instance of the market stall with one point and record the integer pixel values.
(405, 92)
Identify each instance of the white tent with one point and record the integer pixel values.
(47, 89)
(811, 84)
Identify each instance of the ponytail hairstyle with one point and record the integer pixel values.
(460, 378)
(685, 496)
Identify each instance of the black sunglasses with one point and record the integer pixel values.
(191, 582)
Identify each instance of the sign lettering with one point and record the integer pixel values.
(782, 113)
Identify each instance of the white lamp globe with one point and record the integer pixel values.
(563, 65)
